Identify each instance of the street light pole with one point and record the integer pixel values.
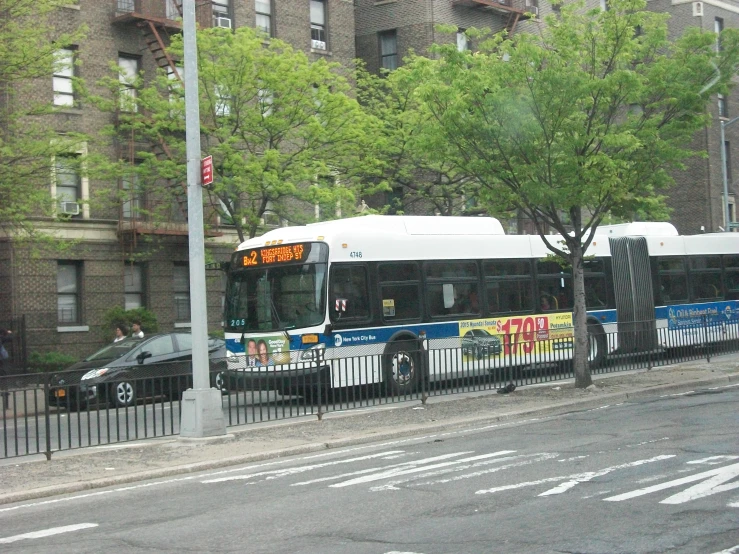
(724, 173)
(202, 407)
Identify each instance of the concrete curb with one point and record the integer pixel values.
(558, 408)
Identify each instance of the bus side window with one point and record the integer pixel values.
(349, 289)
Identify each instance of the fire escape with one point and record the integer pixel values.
(511, 10)
(155, 21)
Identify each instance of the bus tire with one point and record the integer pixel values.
(402, 367)
(596, 345)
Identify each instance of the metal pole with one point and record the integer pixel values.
(202, 412)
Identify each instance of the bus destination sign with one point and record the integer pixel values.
(275, 255)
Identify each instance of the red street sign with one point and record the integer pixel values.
(206, 171)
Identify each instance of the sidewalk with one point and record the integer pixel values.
(33, 477)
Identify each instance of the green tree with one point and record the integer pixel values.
(29, 56)
(582, 120)
(284, 133)
(403, 164)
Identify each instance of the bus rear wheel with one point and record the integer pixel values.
(402, 367)
(596, 345)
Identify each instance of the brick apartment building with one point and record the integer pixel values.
(117, 260)
(387, 30)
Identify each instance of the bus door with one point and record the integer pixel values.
(632, 287)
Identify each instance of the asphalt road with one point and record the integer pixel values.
(649, 476)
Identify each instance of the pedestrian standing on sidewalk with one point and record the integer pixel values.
(120, 333)
(137, 333)
(6, 337)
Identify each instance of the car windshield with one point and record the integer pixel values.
(113, 351)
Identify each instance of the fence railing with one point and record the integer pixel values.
(47, 413)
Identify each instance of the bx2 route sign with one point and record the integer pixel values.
(206, 170)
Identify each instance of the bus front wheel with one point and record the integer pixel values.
(402, 367)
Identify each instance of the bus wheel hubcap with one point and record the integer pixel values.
(403, 368)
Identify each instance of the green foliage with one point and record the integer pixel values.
(402, 161)
(49, 361)
(283, 131)
(29, 43)
(584, 120)
(117, 315)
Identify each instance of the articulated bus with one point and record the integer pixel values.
(419, 297)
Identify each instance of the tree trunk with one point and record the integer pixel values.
(579, 320)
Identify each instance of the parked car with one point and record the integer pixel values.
(480, 343)
(133, 368)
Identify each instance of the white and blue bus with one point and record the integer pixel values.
(415, 297)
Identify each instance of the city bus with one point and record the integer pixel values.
(397, 299)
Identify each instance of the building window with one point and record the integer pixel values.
(723, 106)
(264, 16)
(174, 9)
(63, 77)
(221, 14)
(727, 154)
(718, 27)
(463, 43)
(133, 283)
(68, 183)
(318, 24)
(68, 292)
(128, 73)
(132, 197)
(389, 50)
(182, 292)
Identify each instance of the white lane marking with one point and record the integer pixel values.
(677, 394)
(299, 469)
(393, 485)
(573, 458)
(403, 465)
(732, 550)
(400, 471)
(48, 532)
(589, 476)
(712, 484)
(574, 477)
(714, 460)
(399, 552)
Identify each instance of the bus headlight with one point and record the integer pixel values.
(312, 354)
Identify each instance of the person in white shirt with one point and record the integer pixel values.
(137, 333)
(120, 333)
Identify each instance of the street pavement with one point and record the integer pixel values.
(32, 477)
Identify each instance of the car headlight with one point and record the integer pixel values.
(95, 373)
(313, 353)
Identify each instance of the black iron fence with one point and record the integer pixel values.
(46, 413)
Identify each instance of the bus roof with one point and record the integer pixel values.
(401, 237)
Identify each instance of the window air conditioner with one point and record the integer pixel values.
(70, 208)
(698, 9)
(223, 22)
(318, 44)
(532, 9)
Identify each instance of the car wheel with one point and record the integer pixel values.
(123, 394)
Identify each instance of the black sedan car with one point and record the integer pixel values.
(157, 365)
(480, 343)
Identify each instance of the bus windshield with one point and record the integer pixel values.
(276, 296)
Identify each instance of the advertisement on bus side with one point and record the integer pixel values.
(267, 351)
(516, 335)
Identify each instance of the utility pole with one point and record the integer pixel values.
(724, 175)
(202, 408)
